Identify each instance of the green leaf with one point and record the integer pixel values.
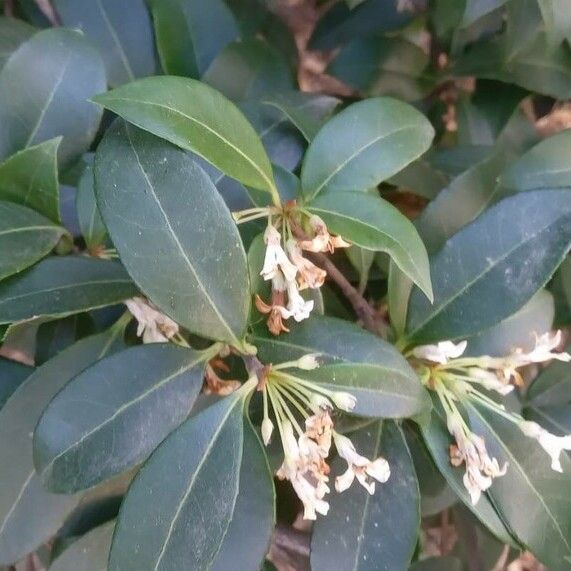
(92, 228)
(12, 375)
(13, 33)
(88, 553)
(354, 361)
(529, 475)
(476, 9)
(493, 266)
(399, 289)
(544, 166)
(185, 524)
(363, 145)
(420, 178)
(198, 118)
(145, 391)
(555, 419)
(551, 386)
(62, 286)
(249, 69)
(557, 18)
(359, 532)
(47, 77)
(30, 177)
(29, 515)
(362, 260)
(199, 274)
(374, 224)
(121, 30)
(25, 238)
(185, 39)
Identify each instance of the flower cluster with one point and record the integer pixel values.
(306, 449)
(455, 378)
(153, 326)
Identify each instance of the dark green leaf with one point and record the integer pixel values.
(492, 267)
(63, 286)
(420, 178)
(374, 224)
(552, 385)
(53, 73)
(29, 515)
(30, 177)
(556, 419)
(191, 33)
(198, 118)
(55, 335)
(363, 145)
(185, 524)
(557, 18)
(13, 33)
(92, 228)
(12, 375)
(136, 398)
(199, 274)
(354, 361)
(360, 532)
(476, 9)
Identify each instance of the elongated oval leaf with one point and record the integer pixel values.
(374, 224)
(360, 532)
(363, 145)
(184, 525)
(63, 286)
(56, 71)
(92, 228)
(198, 118)
(29, 515)
(121, 30)
(13, 33)
(30, 177)
(552, 386)
(25, 237)
(492, 267)
(199, 274)
(137, 397)
(354, 361)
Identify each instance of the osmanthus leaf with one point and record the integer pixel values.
(12, 375)
(364, 144)
(136, 398)
(528, 497)
(29, 515)
(552, 386)
(184, 32)
(92, 228)
(198, 118)
(374, 224)
(30, 177)
(88, 553)
(557, 19)
(61, 286)
(544, 166)
(493, 266)
(307, 111)
(25, 237)
(476, 9)
(199, 274)
(13, 33)
(56, 71)
(193, 480)
(354, 361)
(438, 440)
(360, 532)
(121, 30)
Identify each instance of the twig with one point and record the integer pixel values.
(9, 8)
(48, 11)
(289, 549)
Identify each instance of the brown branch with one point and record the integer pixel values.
(48, 11)
(289, 550)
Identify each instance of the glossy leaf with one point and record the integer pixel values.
(187, 520)
(137, 397)
(492, 267)
(363, 145)
(29, 515)
(374, 224)
(56, 71)
(13, 33)
(198, 118)
(63, 286)
(25, 237)
(190, 34)
(359, 532)
(30, 177)
(12, 375)
(199, 274)
(92, 228)
(354, 361)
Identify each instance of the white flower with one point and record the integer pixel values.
(344, 401)
(319, 427)
(276, 259)
(296, 305)
(543, 351)
(154, 326)
(475, 482)
(308, 362)
(319, 401)
(359, 466)
(322, 240)
(309, 274)
(490, 381)
(440, 353)
(267, 429)
(551, 443)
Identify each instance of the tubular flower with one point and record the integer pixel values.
(297, 306)
(276, 311)
(322, 241)
(276, 259)
(551, 443)
(309, 275)
(153, 326)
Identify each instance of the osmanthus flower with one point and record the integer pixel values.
(153, 326)
(454, 378)
(303, 414)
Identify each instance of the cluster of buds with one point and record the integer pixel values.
(286, 267)
(295, 403)
(153, 326)
(454, 378)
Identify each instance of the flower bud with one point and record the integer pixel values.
(267, 429)
(320, 401)
(308, 362)
(344, 401)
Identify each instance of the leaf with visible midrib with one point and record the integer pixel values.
(159, 205)
(198, 118)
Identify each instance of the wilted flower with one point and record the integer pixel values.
(322, 240)
(309, 275)
(276, 259)
(276, 311)
(154, 326)
(551, 443)
(441, 352)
